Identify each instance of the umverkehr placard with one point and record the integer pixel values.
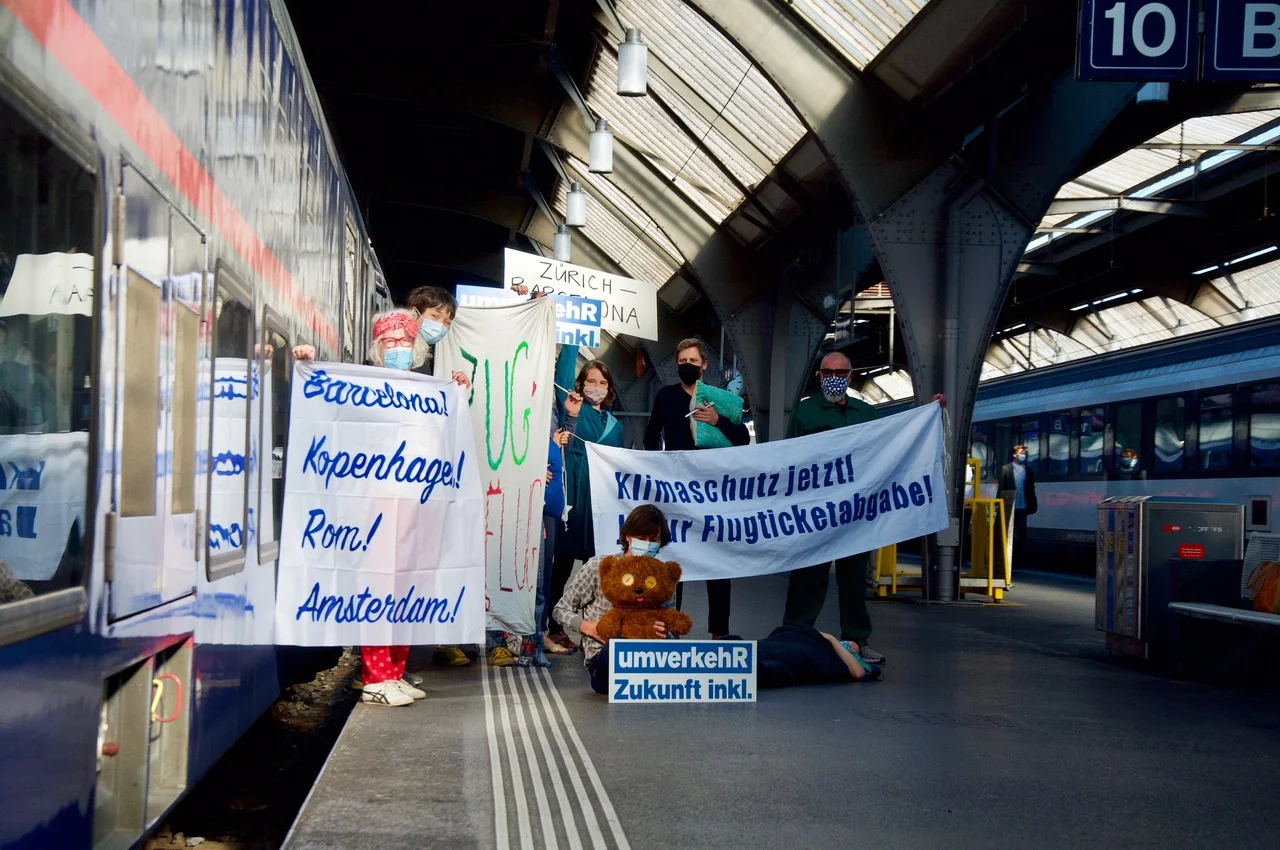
(655, 671)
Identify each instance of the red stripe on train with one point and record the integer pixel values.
(69, 40)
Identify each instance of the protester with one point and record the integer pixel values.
(1019, 479)
(807, 586)
(536, 644)
(669, 428)
(588, 423)
(644, 532)
(799, 654)
(383, 678)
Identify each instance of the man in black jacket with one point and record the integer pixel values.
(669, 428)
(1018, 483)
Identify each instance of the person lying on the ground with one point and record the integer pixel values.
(579, 610)
(799, 654)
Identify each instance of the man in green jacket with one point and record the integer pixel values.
(807, 589)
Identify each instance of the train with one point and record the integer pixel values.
(173, 220)
(1193, 417)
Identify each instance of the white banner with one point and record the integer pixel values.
(382, 528)
(509, 355)
(773, 507)
(630, 306)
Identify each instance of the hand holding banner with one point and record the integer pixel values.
(382, 527)
(773, 507)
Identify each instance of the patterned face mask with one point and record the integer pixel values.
(835, 388)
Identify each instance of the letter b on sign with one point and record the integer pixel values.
(1137, 40)
(1241, 40)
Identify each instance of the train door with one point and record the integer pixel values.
(346, 318)
(160, 267)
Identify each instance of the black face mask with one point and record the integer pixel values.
(689, 373)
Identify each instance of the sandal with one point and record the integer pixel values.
(552, 648)
(563, 640)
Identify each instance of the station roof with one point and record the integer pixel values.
(439, 137)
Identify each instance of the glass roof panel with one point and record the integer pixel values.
(859, 29)
(722, 75)
(1147, 172)
(1250, 294)
(619, 241)
(643, 124)
(629, 208)
(743, 168)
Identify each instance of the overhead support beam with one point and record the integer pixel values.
(949, 239)
(1155, 206)
(1040, 269)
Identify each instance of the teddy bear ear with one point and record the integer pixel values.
(673, 570)
(607, 563)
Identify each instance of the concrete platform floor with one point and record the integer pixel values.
(1004, 726)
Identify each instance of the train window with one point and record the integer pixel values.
(1093, 422)
(1264, 426)
(1128, 439)
(979, 447)
(1170, 434)
(1029, 436)
(228, 525)
(349, 292)
(141, 414)
(1058, 461)
(47, 286)
(277, 366)
(1216, 430)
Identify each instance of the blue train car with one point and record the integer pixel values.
(173, 219)
(1197, 417)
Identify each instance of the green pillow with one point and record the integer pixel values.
(726, 404)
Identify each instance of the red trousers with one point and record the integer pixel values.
(382, 663)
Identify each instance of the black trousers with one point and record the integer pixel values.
(807, 591)
(561, 569)
(717, 605)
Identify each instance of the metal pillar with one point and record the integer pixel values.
(948, 237)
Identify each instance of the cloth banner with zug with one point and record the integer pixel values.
(382, 529)
(508, 353)
(773, 507)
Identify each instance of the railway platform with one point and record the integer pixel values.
(1002, 726)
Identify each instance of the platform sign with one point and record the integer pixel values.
(679, 671)
(577, 319)
(1242, 40)
(1136, 40)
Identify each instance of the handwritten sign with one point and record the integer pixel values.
(577, 319)
(383, 527)
(43, 284)
(42, 497)
(772, 507)
(652, 671)
(631, 306)
(509, 354)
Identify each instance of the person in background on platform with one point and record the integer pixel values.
(1017, 477)
(807, 586)
(383, 679)
(589, 422)
(644, 532)
(669, 428)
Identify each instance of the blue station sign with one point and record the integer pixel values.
(1159, 40)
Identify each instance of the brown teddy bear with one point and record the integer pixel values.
(638, 585)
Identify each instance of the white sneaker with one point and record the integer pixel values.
(412, 678)
(416, 693)
(385, 693)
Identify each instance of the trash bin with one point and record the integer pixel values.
(1137, 537)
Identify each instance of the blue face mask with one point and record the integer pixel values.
(835, 388)
(398, 358)
(432, 331)
(642, 548)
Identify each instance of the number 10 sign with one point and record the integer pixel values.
(1137, 40)
(1152, 40)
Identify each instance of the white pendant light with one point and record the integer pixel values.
(575, 206)
(600, 149)
(633, 65)
(560, 243)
